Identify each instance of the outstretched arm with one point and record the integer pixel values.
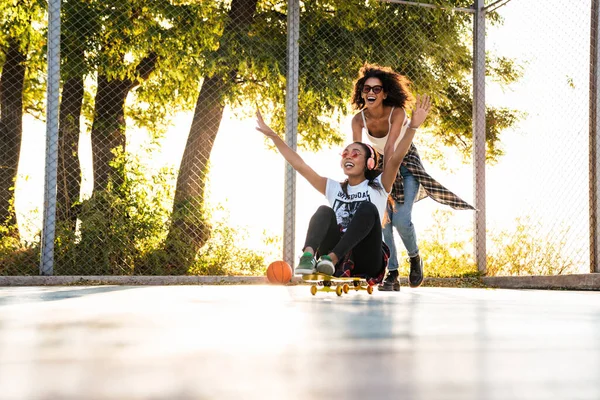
(317, 181)
(391, 164)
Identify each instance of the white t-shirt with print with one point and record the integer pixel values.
(345, 205)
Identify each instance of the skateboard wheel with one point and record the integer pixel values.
(338, 290)
(370, 289)
(313, 289)
(346, 288)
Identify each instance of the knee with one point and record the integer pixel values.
(324, 211)
(402, 215)
(403, 220)
(368, 208)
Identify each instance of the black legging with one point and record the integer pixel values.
(363, 236)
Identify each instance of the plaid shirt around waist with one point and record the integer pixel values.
(428, 187)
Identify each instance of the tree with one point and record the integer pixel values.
(108, 130)
(188, 224)
(121, 41)
(80, 26)
(130, 41)
(151, 59)
(20, 86)
(11, 125)
(129, 45)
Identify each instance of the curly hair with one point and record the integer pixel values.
(370, 174)
(395, 85)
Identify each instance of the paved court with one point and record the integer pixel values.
(274, 342)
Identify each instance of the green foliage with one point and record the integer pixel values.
(523, 251)
(443, 254)
(222, 255)
(431, 46)
(183, 36)
(123, 229)
(17, 258)
(25, 22)
(454, 125)
(119, 225)
(519, 251)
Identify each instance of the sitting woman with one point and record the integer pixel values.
(351, 228)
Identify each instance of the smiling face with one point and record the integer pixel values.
(354, 160)
(373, 93)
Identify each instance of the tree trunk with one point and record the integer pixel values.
(11, 127)
(69, 170)
(189, 229)
(108, 128)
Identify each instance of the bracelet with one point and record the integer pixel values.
(410, 127)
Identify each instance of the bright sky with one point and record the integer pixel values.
(544, 173)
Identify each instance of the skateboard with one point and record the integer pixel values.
(328, 283)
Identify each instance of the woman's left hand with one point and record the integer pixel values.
(421, 110)
(261, 126)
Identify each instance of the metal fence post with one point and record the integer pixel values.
(594, 140)
(52, 106)
(479, 134)
(291, 128)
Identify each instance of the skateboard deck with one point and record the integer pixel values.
(339, 285)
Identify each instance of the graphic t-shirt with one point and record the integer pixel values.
(345, 205)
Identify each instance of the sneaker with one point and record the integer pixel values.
(415, 277)
(325, 265)
(306, 266)
(390, 283)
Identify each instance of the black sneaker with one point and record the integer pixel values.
(390, 282)
(415, 277)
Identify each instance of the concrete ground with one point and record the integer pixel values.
(275, 342)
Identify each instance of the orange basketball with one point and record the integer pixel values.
(279, 272)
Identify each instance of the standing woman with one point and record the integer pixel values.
(381, 95)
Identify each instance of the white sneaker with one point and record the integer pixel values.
(325, 266)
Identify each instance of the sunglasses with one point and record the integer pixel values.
(352, 154)
(376, 89)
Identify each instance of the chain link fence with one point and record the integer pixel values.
(158, 167)
(22, 110)
(433, 48)
(538, 203)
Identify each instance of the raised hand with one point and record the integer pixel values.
(422, 107)
(317, 181)
(261, 126)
